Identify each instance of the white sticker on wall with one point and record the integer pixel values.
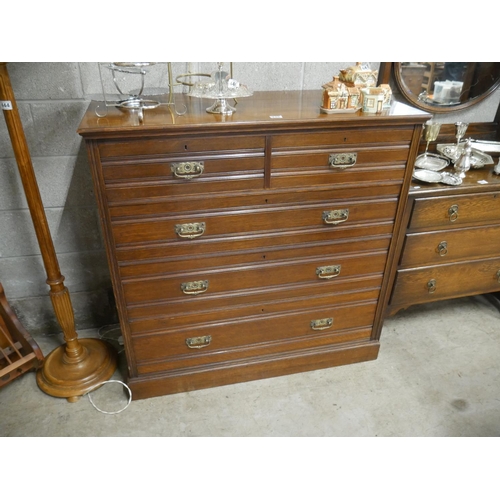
(6, 105)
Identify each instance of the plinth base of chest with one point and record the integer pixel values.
(204, 377)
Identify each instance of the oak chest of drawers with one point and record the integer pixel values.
(451, 247)
(252, 245)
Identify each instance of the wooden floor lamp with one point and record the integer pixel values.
(73, 369)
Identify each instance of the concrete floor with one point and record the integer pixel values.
(437, 374)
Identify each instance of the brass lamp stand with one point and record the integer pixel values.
(74, 368)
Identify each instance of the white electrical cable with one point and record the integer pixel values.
(109, 382)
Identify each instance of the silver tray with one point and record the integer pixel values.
(433, 177)
(431, 161)
(478, 159)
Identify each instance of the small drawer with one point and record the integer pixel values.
(241, 279)
(337, 167)
(157, 146)
(440, 247)
(239, 223)
(451, 211)
(137, 181)
(268, 329)
(427, 284)
(181, 169)
(344, 137)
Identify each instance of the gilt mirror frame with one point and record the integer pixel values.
(384, 76)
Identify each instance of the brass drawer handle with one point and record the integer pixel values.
(431, 286)
(198, 342)
(194, 287)
(321, 324)
(453, 213)
(442, 248)
(190, 230)
(328, 272)
(187, 169)
(335, 217)
(342, 160)
(498, 275)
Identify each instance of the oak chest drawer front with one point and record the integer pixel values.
(451, 211)
(284, 199)
(237, 223)
(359, 166)
(158, 146)
(178, 178)
(343, 138)
(245, 333)
(248, 355)
(219, 260)
(356, 237)
(182, 314)
(440, 247)
(148, 316)
(242, 278)
(427, 284)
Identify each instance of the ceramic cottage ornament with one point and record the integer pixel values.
(360, 75)
(344, 94)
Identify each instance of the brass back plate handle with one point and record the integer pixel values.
(194, 287)
(190, 230)
(328, 272)
(431, 286)
(321, 324)
(342, 160)
(335, 217)
(198, 342)
(187, 169)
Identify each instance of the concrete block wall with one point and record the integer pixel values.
(52, 99)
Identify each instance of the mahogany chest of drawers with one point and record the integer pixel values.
(451, 247)
(252, 245)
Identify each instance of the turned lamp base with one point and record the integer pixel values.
(68, 377)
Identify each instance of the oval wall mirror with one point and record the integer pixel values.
(441, 87)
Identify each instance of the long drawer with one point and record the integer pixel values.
(193, 313)
(453, 211)
(261, 300)
(439, 247)
(355, 235)
(234, 335)
(218, 259)
(257, 220)
(286, 198)
(239, 278)
(204, 362)
(460, 279)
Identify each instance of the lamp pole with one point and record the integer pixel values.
(73, 369)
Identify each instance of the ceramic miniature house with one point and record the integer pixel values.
(344, 91)
(360, 75)
(337, 95)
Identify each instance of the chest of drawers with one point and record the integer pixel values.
(452, 243)
(253, 245)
